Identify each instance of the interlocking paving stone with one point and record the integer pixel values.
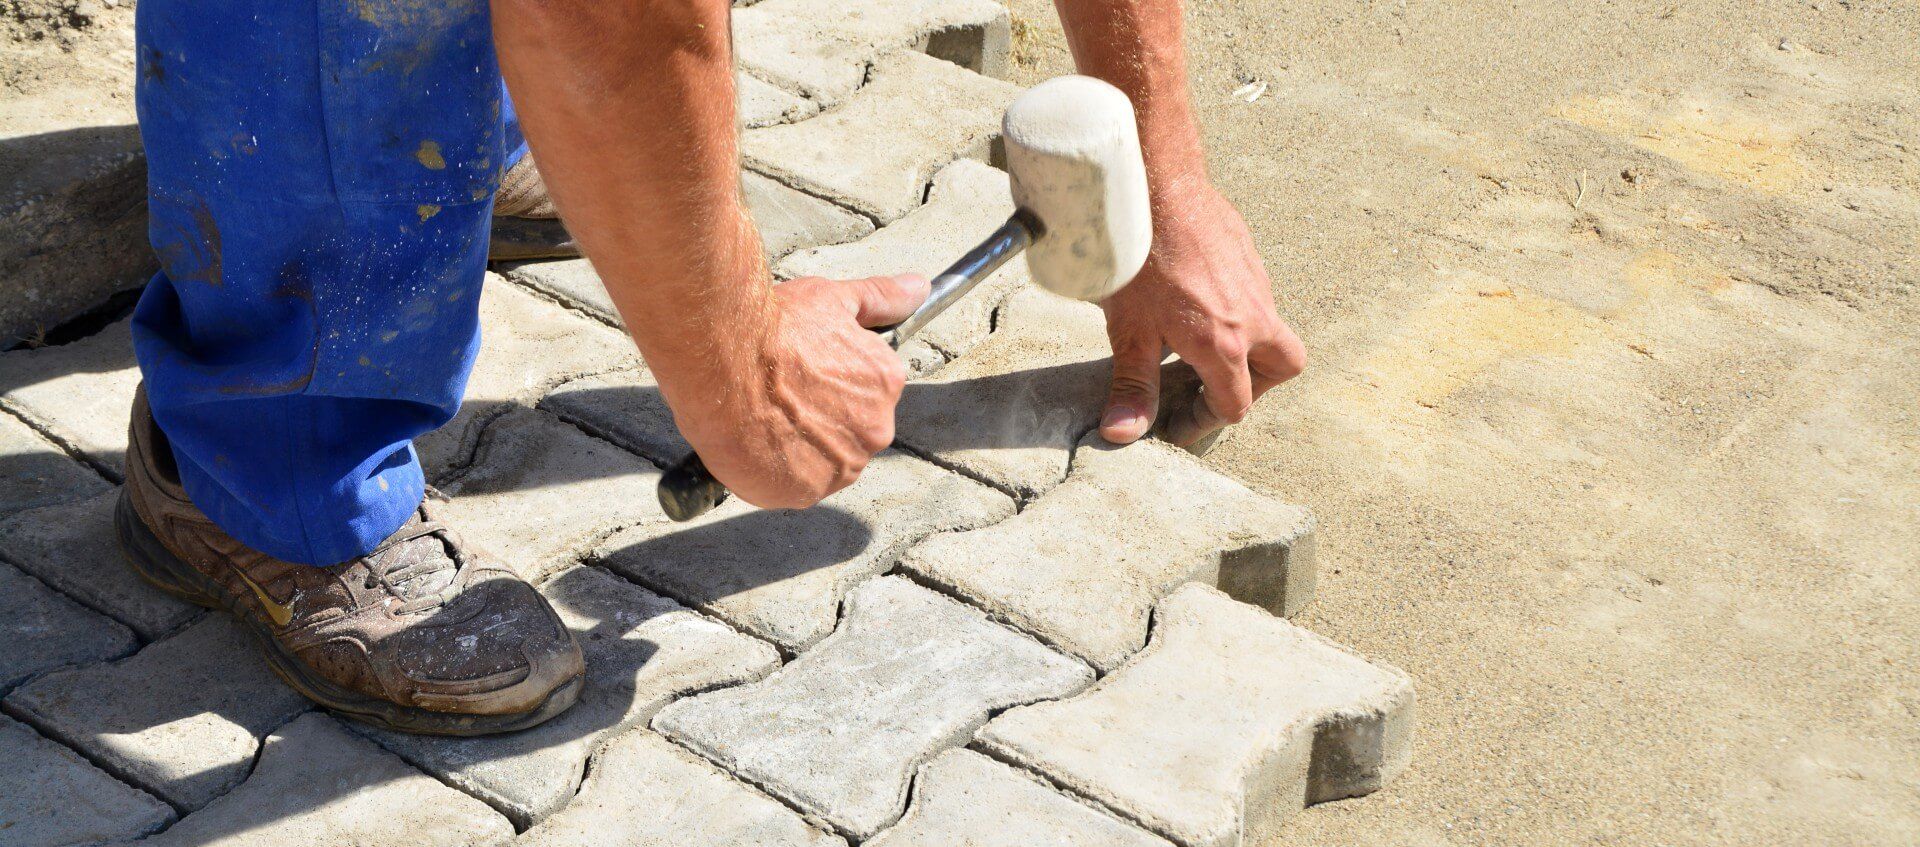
(765, 104)
(317, 785)
(73, 548)
(1083, 566)
(529, 346)
(875, 153)
(1010, 410)
(968, 202)
(1225, 725)
(964, 798)
(34, 472)
(823, 48)
(839, 731)
(50, 797)
(81, 393)
(781, 574)
(42, 630)
(540, 493)
(642, 652)
(645, 792)
(624, 407)
(182, 718)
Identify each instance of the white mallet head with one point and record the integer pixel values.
(1073, 152)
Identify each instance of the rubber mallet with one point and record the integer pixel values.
(1081, 216)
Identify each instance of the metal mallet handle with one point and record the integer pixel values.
(688, 490)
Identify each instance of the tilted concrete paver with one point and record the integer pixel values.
(317, 785)
(1229, 722)
(34, 472)
(1010, 410)
(969, 200)
(875, 153)
(40, 630)
(50, 797)
(1083, 566)
(80, 393)
(839, 731)
(642, 652)
(823, 48)
(781, 574)
(645, 792)
(540, 493)
(182, 718)
(530, 345)
(964, 798)
(73, 547)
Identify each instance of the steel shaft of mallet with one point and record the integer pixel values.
(688, 490)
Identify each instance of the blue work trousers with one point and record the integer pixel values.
(320, 183)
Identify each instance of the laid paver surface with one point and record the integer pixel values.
(51, 797)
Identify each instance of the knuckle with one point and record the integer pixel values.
(1127, 385)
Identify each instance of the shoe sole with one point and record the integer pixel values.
(527, 239)
(156, 565)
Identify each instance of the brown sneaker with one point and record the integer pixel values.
(525, 224)
(421, 635)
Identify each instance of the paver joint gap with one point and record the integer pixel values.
(52, 434)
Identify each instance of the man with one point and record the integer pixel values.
(322, 179)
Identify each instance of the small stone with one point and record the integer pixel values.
(34, 472)
(1009, 411)
(839, 731)
(642, 652)
(645, 792)
(875, 153)
(50, 797)
(319, 786)
(1225, 725)
(822, 48)
(73, 547)
(764, 104)
(182, 718)
(43, 630)
(541, 493)
(1084, 565)
(781, 573)
(81, 392)
(964, 798)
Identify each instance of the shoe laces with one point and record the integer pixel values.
(425, 576)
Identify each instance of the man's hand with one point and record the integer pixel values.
(814, 397)
(1204, 294)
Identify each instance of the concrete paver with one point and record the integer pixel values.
(43, 630)
(642, 651)
(765, 104)
(50, 797)
(80, 393)
(966, 798)
(823, 48)
(72, 547)
(1227, 724)
(34, 472)
(839, 731)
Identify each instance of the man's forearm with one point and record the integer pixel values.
(1139, 46)
(629, 107)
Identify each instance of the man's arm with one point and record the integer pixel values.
(1203, 291)
(629, 107)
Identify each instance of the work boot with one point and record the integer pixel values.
(421, 635)
(525, 224)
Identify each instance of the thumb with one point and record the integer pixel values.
(1134, 396)
(884, 300)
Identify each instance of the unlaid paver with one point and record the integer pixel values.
(823, 48)
(528, 346)
(40, 630)
(540, 492)
(781, 574)
(1082, 567)
(80, 393)
(645, 792)
(642, 652)
(181, 719)
(839, 731)
(73, 548)
(34, 472)
(876, 152)
(318, 785)
(1230, 721)
(50, 797)
(964, 798)
(1009, 411)
(968, 201)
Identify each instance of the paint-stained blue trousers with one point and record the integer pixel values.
(320, 181)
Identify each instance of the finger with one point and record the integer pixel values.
(1276, 361)
(884, 300)
(1133, 397)
(1228, 387)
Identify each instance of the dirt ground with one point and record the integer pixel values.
(1613, 416)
